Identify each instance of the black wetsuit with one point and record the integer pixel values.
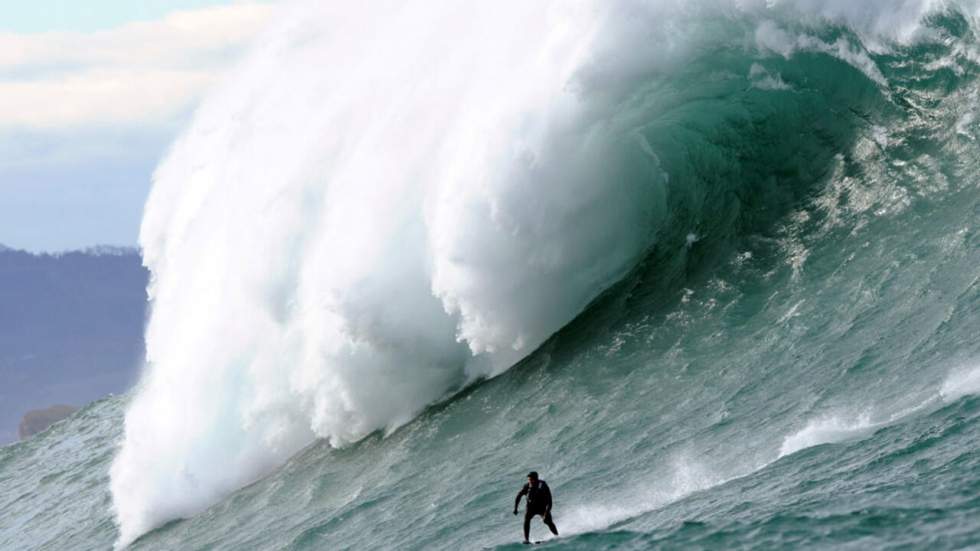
(538, 503)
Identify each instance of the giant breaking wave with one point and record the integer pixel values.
(386, 203)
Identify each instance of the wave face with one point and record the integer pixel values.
(750, 209)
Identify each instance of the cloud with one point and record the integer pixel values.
(140, 73)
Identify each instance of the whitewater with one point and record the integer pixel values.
(712, 267)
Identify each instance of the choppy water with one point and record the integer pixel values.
(792, 362)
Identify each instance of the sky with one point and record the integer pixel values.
(91, 95)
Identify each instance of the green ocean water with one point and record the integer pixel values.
(794, 364)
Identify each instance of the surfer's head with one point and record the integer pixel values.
(532, 476)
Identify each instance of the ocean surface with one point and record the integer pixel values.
(712, 268)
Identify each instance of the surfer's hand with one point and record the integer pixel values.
(515, 511)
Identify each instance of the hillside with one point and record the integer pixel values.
(70, 328)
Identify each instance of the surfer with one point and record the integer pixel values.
(538, 503)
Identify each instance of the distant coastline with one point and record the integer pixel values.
(71, 330)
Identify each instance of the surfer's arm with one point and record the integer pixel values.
(517, 501)
(547, 499)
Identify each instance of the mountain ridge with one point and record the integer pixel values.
(71, 330)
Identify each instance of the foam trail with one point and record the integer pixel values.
(684, 476)
(831, 429)
(827, 430)
(384, 203)
(964, 381)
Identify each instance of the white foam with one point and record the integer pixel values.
(828, 430)
(685, 476)
(895, 20)
(770, 36)
(763, 80)
(833, 428)
(961, 382)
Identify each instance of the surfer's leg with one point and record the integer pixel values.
(527, 525)
(551, 524)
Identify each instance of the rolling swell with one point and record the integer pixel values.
(890, 489)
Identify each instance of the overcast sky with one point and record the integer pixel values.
(91, 94)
